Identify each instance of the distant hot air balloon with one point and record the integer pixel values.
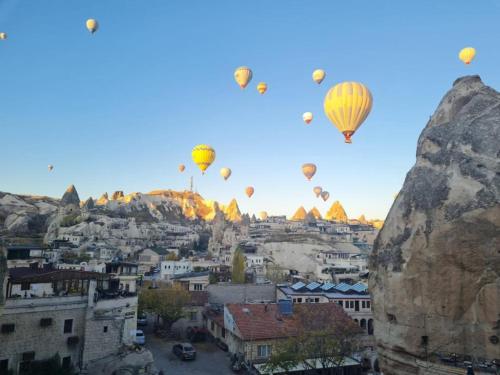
(319, 76)
(467, 55)
(307, 117)
(317, 190)
(263, 215)
(3, 36)
(262, 88)
(347, 105)
(225, 172)
(309, 169)
(325, 195)
(203, 156)
(50, 167)
(92, 25)
(182, 167)
(243, 76)
(249, 191)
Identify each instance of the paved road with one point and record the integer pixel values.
(210, 360)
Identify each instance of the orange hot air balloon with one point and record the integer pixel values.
(317, 190)
(325, 195)
(182, 167)
(249, 191)
(309, 169)
(262, 88)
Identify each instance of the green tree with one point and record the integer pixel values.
(172, 256)
(167, 302)
(275, 273)
(321, 339)
(238, 273)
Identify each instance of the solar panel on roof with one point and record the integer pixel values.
(359, 287)
(312, 285)
(298, 285)
(327, 286)
(343, 287)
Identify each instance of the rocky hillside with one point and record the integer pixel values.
(435, 269)
(336, 213)
(300, 214)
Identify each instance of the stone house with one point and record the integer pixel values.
(193, 313)
(193, 281)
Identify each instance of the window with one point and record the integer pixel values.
(28, 356)
(367, 304)
(4, 366)
(8, 328)
(25, 285)
(105, 329)
(193, 316)
(45, 322)
(263, 351)
(351, 304)
(68, 326)
(223, 333)
(341, 303)
(198, 287)
(316, 300)
(66, 362)
(363, 304)
(299, 300)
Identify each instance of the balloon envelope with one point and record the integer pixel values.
(50, 167)
(225, 172)
(263, 215)
(347, 105)
(317, 190)
(243, 76)
(319, 76)
(309, 169)
(262, 88)
(249, 191)
(307, 117)
(92, 25)
(325, 195)
(3, 36)
(467, 54)
(182, 167)
(203, 156)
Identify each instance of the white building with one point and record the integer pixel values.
(169, 268)
(253, 260)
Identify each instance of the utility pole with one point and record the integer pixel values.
(191, 184)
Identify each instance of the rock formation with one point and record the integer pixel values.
(232, 211)
(70, 197)
(336, 213)
(89, 204)
(300, 214)
(315, 213)
(362, 220)
(117, 195)
(103, 200)
(435, 268)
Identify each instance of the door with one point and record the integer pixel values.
(356, 305)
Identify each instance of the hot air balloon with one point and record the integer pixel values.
(319, 76)
(309, 169)
(182, 167)
(243, 76)
(263, 215)
(225, 172)
(203, 156)
(50, 167)
(317, 190)
(325, 195)
(92, 25)
(3, 36)
(249, 191)
(347, 105)
(467, 55)
(262, 88)
(307, 117)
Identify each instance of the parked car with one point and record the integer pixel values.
(142, 320)
(138, 337)
(221, 344)
(184, 351)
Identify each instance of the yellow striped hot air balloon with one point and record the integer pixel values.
(262, 88)
(225, 173)
(467, 55)
(309, 169)
(243, 76)
(307, 117)
(3, 36)
(347, 105)
(203, 156)
(317, 190)
(249, 191)
(182, 167)
(319, 75)
(92, 25)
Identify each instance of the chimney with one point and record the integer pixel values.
(285, 307)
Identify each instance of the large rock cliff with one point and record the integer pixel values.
(435, 268)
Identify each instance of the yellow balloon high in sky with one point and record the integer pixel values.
(467, 55)
(226, 173)
(309, 169)
(243, 76)
(182, 167)
(92, 25)
(203, 156)
(347, 105)
(319, 76)
(262, 88)
(3, 36)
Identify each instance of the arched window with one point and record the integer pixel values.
(370, 326)
(363, 323)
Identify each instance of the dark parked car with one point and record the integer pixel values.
(142, 320)
(184, 351)
(221, 344)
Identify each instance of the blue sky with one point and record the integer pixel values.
(121, 109)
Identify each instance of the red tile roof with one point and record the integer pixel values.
(268, 323)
